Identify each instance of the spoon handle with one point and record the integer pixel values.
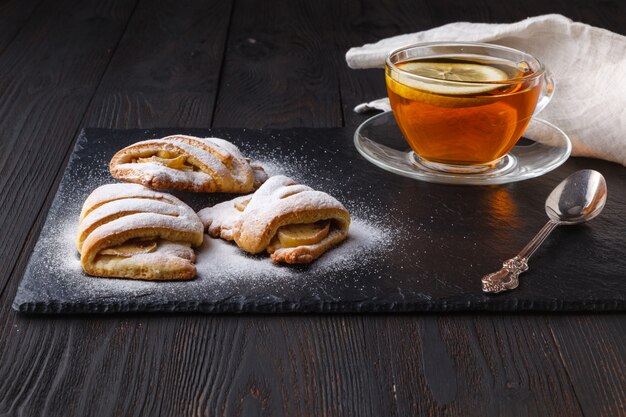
(507, 278)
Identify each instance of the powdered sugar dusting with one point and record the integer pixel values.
(281, 197)
(220, 218)
(221, 166)
(136, 172)
(224, 271)
(365, 241)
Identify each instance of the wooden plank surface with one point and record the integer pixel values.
(165, 71)
(246, 365)
(584, 336)
(50, 70)
(13, 16)
(593, 350)
(49, 74)
(278, 69)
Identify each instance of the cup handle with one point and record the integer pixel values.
(547, 92)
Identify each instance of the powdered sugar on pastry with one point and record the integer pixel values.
(209, 165)
(366, 241)
(115, 214)
(161, 174)
(171, 258)
(226, 275)
(124, 207)
(112, 192)
(220, 219)
(279, 197)
(279, 202)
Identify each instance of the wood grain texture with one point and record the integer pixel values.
(13, 16)
(165, 71)
(359, 22)
(241, 365)
(593, 349)
(278, 68)
(292, 366)
(50, 71)
(356, 87)
(515, 361)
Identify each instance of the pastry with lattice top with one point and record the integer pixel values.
(130, 231)
(292, 222)
(187, 163)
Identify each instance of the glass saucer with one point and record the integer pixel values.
(543, 148)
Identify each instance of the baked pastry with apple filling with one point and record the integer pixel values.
(292, 222)
(130, 231)
(187, 163)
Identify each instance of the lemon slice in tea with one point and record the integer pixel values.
(470, 82)
(455, 71)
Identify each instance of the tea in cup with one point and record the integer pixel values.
(463, 106)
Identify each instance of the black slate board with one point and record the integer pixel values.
(446, 237)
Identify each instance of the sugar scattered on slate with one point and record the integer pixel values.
(224, 271)
(227, 277)
(364, 242)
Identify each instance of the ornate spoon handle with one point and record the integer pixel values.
(507, 278)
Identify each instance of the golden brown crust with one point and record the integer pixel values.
(115, 214)
(156, 266)
(308, 253)
(254, 234)
(279, 202)
(220, 219)
(212, 165)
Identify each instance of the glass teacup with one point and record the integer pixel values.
(463, 106)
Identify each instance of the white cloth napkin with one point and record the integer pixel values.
(588, 63)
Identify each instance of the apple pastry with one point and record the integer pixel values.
(292, 222)
(187, 163)
(130, 231)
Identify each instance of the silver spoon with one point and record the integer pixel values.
(577, 199)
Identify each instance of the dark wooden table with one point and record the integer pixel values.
(69, 64)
